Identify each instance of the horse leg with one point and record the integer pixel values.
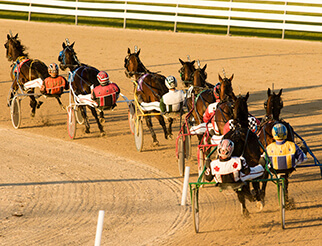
(258, 196)
(33, 105)
(100, 126)
(162, 123)
(289, 202)
(242, 200)
(169, 132)
(101, 116)
(86, 123)
(150, 126)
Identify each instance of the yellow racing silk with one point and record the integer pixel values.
(282, 155)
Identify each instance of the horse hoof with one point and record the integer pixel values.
(63, 108)
(102, 134)
(87, 131)
(244, 211)
(39, 104)
(155, 143)
(32, 115)
(170, 136)
(290, 204)
(260, 205)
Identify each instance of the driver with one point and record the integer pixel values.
(230, 169)
(55, 84)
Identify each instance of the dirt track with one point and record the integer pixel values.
(59, 185)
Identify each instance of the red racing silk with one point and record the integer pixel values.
(106, 96)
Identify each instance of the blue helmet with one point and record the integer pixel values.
(279, 132)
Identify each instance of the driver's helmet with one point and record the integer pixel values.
(171, 82)
(53, 70)
(225, 148)
(217, 90)
(279, 131)
(103, 78)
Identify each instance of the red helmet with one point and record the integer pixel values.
(225, 148)
(103, 78)
(217, 90)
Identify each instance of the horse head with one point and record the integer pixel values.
(199, 77)
(226, 89)
(67, 57)
(186, 71)
(14, 48)
(133, 65)
(240, 111)
(274, 104)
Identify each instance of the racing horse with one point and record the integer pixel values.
(24, 69)
(81, 78)
(273, 106)
(246, 144)
(150, 88)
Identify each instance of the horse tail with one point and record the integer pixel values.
(40, 69)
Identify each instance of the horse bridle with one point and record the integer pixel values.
(181, 72)
(126, 64)
(62, 57)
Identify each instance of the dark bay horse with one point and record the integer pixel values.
(245, 144)
(82, 77)
(23, 69)
(151, 87)
(273, 107)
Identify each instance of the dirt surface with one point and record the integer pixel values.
(52, 187)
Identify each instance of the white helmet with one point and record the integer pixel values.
(225, 148)
(171, 82)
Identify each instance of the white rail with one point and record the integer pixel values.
(296, 15)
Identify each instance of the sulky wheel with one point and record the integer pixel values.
(181, 156)
(138, 134)
(15, 112)
(201, 164)
(187, 145)
(71, 122)
(282, 203)
(195, 208)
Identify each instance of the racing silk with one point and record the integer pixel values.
(285, 155)
(55, 86)
(172, 101)
(220, 169)
(252, 124)
(106, 96)
(210, 112)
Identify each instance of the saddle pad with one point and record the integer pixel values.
(140, 81)
(33, 84)
(86, 99)
(150, 106)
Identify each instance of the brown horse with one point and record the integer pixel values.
(151, 87)
(273, 106)
(81, 78)
(24, 69)
(245, 144)
(186, 72)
